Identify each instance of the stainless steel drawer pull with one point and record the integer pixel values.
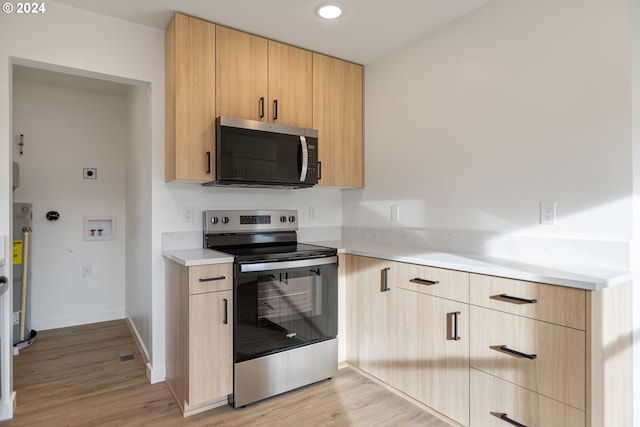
(518, 353)
(505, 417)
(425, 281)
(385, 279)
(211, 279)
(518, 299)
(456, 337)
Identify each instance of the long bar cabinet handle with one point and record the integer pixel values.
(505, 417)
(208, 162)
(261, 107)
(518, 299)
(425, 281)
(456, 337)
(518, 353)
(211, 279)
(226, 311)
(275, 109)
(385, 281)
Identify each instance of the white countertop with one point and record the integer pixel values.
(581, 277)
(191, 257)
(572, 276)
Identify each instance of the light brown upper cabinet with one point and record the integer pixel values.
(338, 116)
(259, 79)
(189, 99)
(213, 71)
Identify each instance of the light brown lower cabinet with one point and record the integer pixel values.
(371, 309)
(431, 361)
(199, 337)
(479, 350)
(499, 403)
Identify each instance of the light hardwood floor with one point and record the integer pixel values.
(75, 377)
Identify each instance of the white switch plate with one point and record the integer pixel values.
(312, 212)
(548, 213)
(395, 213)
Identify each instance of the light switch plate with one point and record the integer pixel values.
(395, 213)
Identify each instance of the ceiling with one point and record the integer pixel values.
(368, 30)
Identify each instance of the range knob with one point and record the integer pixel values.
(292, 218)
(225, 220)
(283, 218)
(214, 220)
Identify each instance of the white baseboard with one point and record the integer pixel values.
(64, 322)
(8, 407)
(156, 375)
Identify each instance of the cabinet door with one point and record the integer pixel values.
(495, 401)
(337, 114)
(432, 352)
(210, 346)
(545, 358)
(189, 99)
(372, 317)
(290, 85)
(241, 75)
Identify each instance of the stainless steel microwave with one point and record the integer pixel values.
(258, 154)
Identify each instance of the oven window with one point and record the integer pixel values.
(282, 309)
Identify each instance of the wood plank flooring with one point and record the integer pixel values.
(80, 376)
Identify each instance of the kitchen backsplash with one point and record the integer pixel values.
(534, 250)
(172, 240)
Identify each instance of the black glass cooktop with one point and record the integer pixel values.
(277, 252)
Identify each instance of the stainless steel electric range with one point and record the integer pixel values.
(285, 296)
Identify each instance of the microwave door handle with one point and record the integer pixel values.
(305, 158)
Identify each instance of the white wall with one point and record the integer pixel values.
(64, 131)
(471, 127)
(138, 214)
(512, 105)
(84, 43)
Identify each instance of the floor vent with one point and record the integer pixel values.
(126, 357)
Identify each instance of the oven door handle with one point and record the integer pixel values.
(281, 265)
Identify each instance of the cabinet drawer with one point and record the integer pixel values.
(556, 363)
(555, 304)
(210, 278)
(493, 398)
(438, 282)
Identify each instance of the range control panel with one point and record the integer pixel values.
(250, 221)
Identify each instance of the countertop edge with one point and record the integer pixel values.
(193, 257)
(553, 275)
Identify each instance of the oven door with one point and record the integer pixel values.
(283, 305)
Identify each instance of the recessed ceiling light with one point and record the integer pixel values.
(330, 10)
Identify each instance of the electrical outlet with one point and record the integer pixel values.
(15, 318)
(312, 212)
(548, 213)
